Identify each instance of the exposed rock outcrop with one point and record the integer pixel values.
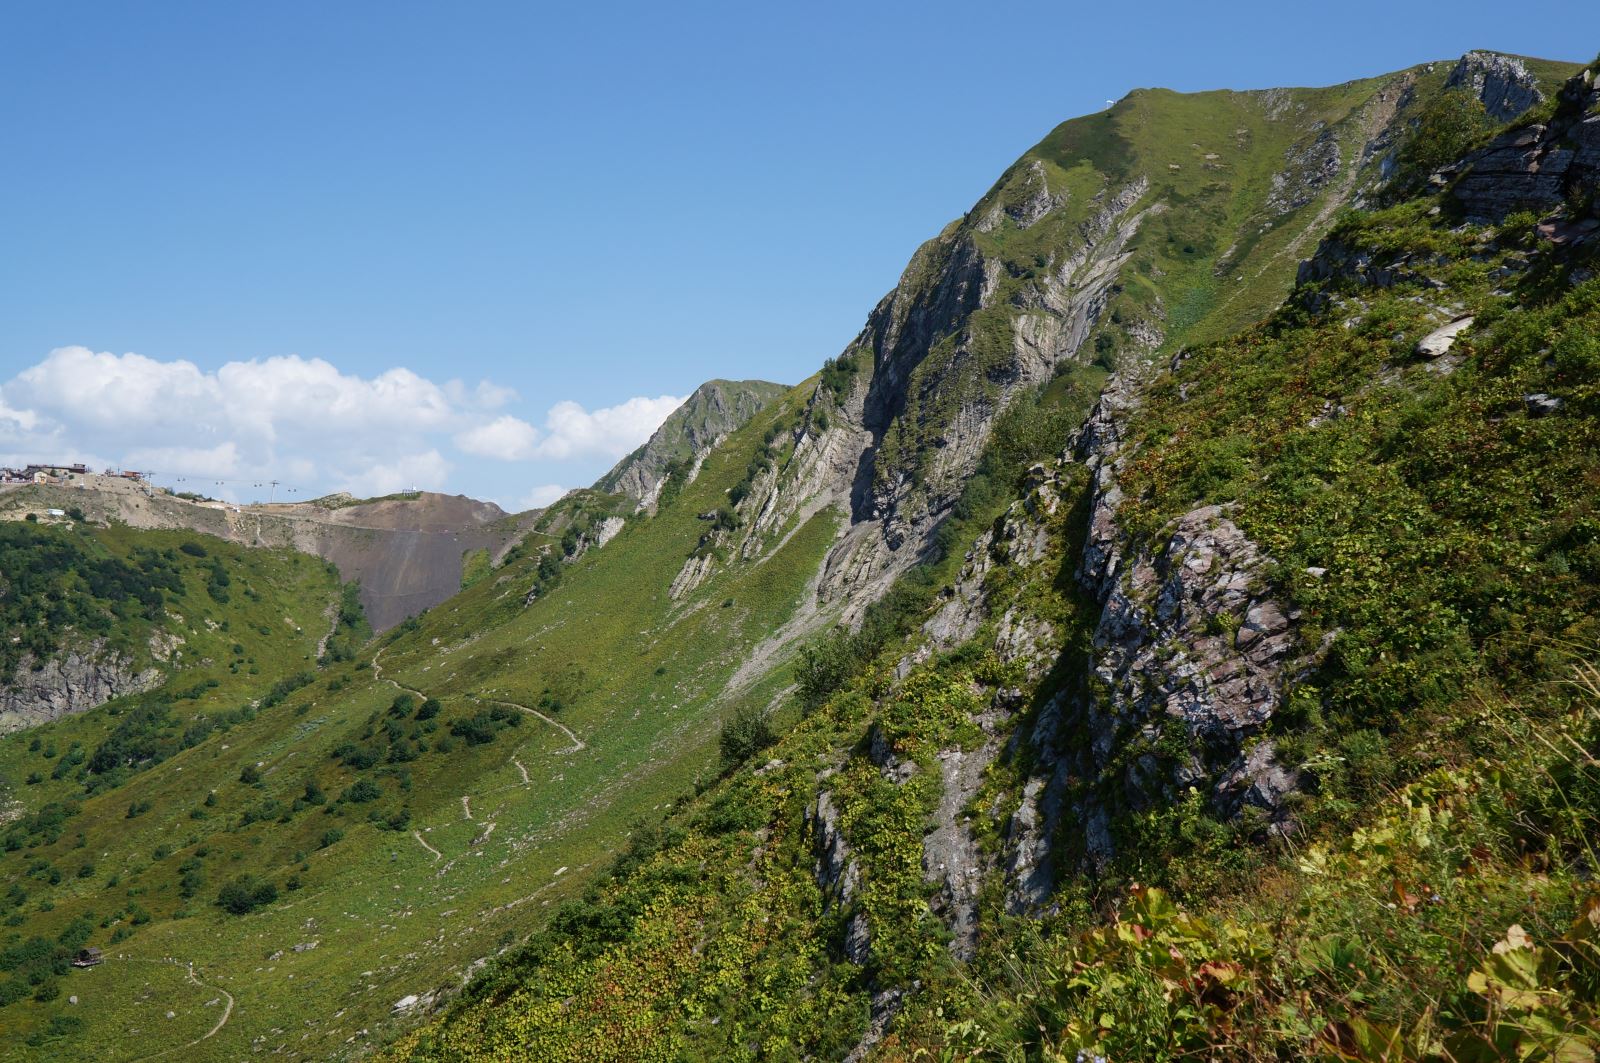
(1437, 343)
(715, 409)
(1192, 652)
(837, 873)
(1310, 168)
(1190, 633)
(74, 680)
(1502, 82)
(920, 342)
(1336, 260)
(1535, 167)
(951, 855)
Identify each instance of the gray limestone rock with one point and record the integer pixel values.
(1438, 342)
(715, 409)
(1311, 167)
(837, 873)
(74, 680)
(1190, 636)
(1502, 82)
(1542, 405)
(1534, 167)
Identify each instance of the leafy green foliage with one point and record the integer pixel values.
(1444, 129)
(838, 375)
(745, 735)
(246, 893)
(1426, 935)
(53, 580)
(483, 727)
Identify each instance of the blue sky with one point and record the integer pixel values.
(568, 207)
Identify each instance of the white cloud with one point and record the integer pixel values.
(15, 420)
(507, 438)
(485, 394)
(221, 460)
(570, 431)
(76, 385)
(301, 421)
(257, 399)
(614, 431)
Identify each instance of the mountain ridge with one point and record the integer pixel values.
(945, 583)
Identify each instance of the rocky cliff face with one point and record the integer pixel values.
(1193, 651)
(1503, 83)
(1191, 656)
(1539, 167)
(74, 680)
(948, 350)
(1075, 255)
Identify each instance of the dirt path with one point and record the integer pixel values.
(521, 769)
(377, 673)
(227, 1009)
(577, 743)
(331, 614)
(417, 834)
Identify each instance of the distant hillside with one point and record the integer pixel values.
(410, 552)
(405, 552)
(94, 613)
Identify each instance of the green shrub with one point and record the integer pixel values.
(245, 894)
(747, 733)
(360, 792)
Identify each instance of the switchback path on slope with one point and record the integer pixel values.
(417, 834)
(578, 744)
(377, 673)
(227, 1008)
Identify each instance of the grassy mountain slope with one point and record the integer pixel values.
(95, 611)
(561, 718)
(470, 779)
(1427, 521)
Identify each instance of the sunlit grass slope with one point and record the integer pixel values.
(402, 835)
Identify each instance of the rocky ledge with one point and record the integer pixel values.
(1541, 167)
(73, 681)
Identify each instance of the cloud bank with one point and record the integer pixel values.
(570, 431)
(301, 421)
